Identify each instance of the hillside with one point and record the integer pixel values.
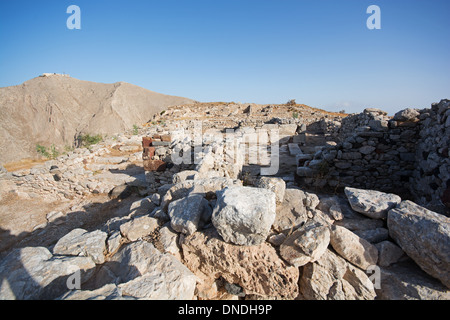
(55, 109)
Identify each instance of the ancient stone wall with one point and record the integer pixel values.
(407, 154)
(374, 152)
(431, 174)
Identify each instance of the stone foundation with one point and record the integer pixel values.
(407, 154)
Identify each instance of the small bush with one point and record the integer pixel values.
(135, 130)
(295, 115)
(54, 153)
(42, 150)
(49, 154)
(291, 102)
(87, 140)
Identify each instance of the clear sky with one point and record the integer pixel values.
(264, 51)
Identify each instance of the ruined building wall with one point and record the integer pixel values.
(431, 176)
(407, 155)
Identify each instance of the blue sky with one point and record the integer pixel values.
(265, 51)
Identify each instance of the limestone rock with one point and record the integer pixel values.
(168, 279)
(169, 241)
(388, 253)
(138, 227)
(406, 281)
(406, 115)
(145, 273)
(206, 164)
(276, 185)
(131, 261)
(114, 224)
(335, 212)
(183, 176)
(114, 241)
(120, 192)
(244, 215)
(256, 269)
(331, 206)
(80, 242)
(424, 236)
(187, 214)
(374, 204)
(33, 273)
(277, 239)
(332, 278)
(291, 213)
(200, 186)
(320, 217)
(306, 244)
(311, 200)
(353, 248)
(143, 206)
(154, 198)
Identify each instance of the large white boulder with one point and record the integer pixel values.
(244, 215)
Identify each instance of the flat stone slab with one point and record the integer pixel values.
(371, 203)
(79, 242)
(32, 273)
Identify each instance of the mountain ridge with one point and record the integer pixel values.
(54, 109)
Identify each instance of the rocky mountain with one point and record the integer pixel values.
(54, 109)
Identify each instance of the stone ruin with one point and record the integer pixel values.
(211, 225)
(407, 154)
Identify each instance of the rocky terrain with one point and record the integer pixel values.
(236, 201)
(55, 109)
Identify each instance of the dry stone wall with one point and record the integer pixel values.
(407, 154)
(431, 175)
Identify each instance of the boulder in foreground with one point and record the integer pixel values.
(32, 273)
(424, 236)
(256, 269)
(354, 249)
(79, 242)
(244, 215)
(332, 278)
